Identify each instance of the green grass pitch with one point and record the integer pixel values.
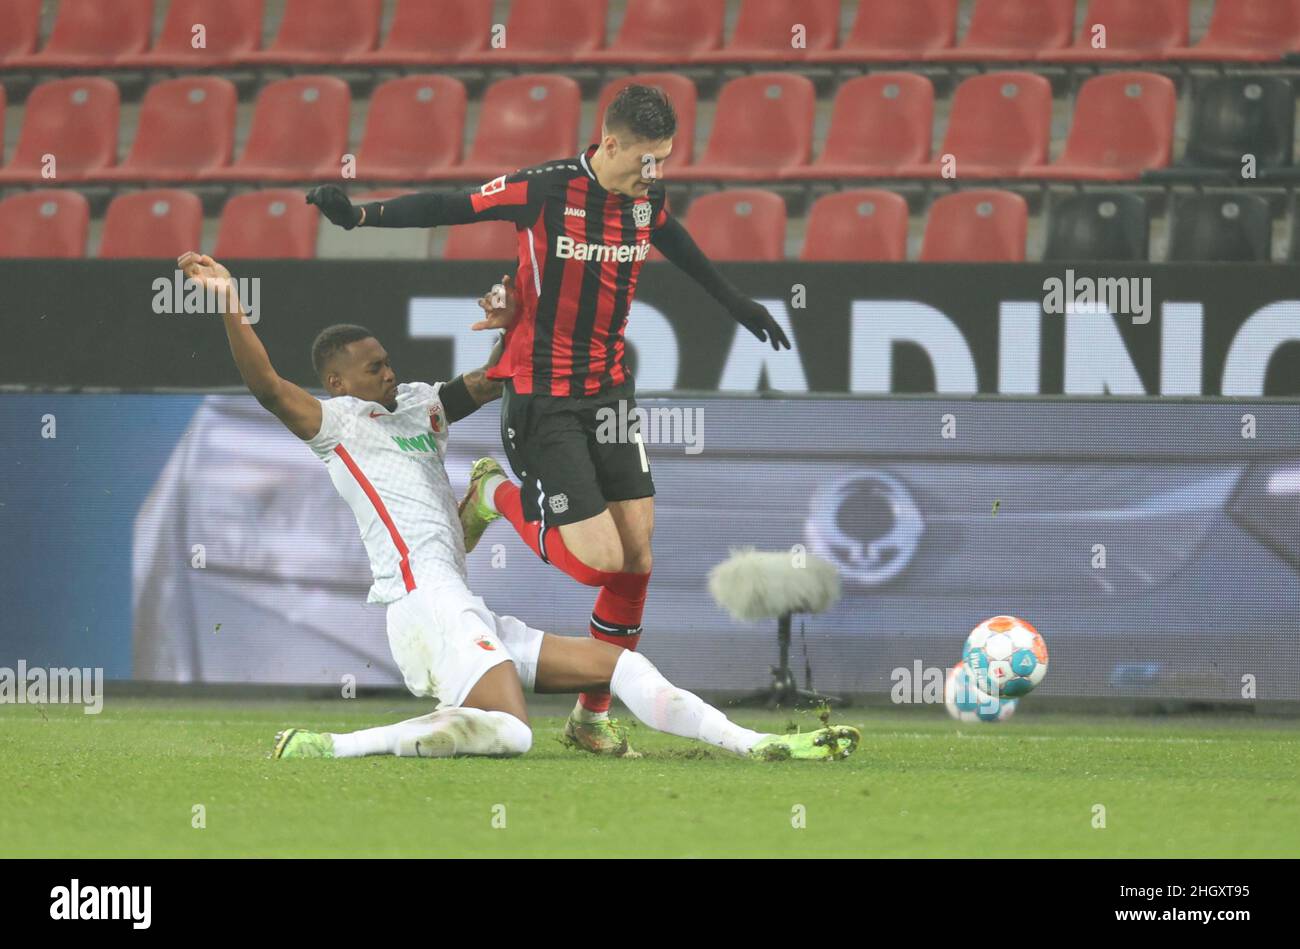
(126, 783)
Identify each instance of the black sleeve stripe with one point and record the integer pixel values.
(456, 400)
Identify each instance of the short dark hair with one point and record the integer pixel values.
(330, 342)
(643, 111)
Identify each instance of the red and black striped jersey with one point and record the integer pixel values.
(580, 251)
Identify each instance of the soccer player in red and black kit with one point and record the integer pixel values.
(585, 226)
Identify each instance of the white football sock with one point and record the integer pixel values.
(664, 707)
(584, 714)
(451, 731)
(489, 491)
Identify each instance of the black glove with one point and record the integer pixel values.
(754, 317)
(335, 205)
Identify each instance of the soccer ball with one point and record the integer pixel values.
(966, 703)
(1005, 656)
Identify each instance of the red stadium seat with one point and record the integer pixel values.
(891, 31)
(524, 120)
(681, 92)
(976, 226)
(20, 29)
(765, 32)
(322, 32)
(739, 224)
(299, 133)
(186, 129)
(652, 32)
(89, 34)
(276, 223)
(72, 120)
(486, 240)
(1000, 127)
(1013, 30)
(1123, 126)
(548, 31)
(863, 225)
(880, 124)
(232, 29)
(160, 223)
(762, 126)
(1248, 31)
(44, 224)
(1135, 31)
(432, 32)
(415, 126)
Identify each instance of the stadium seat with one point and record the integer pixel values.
(73, 120)
(1248, 31)
(299, 132)
(1098, 226)
(1135, 31)
(764, 32)
(1013, 30)
(880, 124)
(891, 31)
(486, 240)
(652, 32)
(863, 225)
(276, 223)
(681, 92)
(90, 34)
(44, 224)
(548, 32)
(1123, 126)
(161, 223)
(432, 32)
(1232, 117)
(762, 126)
(414, 126)
(1000, 126)
(1219, 227)
(186, 128)
(321, 32)
(232, 28)
(976, 227)
(20, 30)
(523, 120)
(739, 224)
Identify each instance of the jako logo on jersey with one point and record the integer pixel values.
(418, 443)
(575, 212)
(567, 248)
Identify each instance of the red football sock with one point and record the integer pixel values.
(617, 619)
(548, 545)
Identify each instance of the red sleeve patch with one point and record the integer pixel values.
(498, 192)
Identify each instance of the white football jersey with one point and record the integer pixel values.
(389, 467)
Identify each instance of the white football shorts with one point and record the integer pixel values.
(444, 639)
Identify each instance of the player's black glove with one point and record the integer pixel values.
(754, 317)
(335, 205)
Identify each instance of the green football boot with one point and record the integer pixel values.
(475, 515)
(296, 743)
(824, 744)
(602, 737)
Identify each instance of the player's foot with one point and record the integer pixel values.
(824, 744)
(475, 515)
(296, 743)
(601, 737)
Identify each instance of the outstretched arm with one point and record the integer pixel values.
(501, 199)
(673, 241)
(298, 409)
(465, 394)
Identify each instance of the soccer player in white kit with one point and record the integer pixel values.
(383, 445)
